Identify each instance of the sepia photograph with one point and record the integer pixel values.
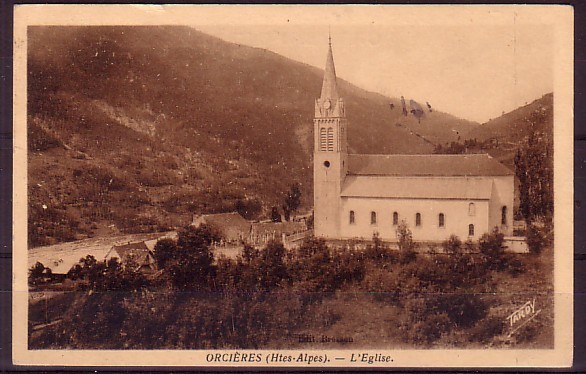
(330, 186)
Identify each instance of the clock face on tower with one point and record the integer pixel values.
(327, 104)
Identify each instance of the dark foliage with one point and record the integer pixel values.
(534, 168)
(275, 215)
(292, 201)
(535, 239)
(249, 208)
(190, 266)
(108, 275)
(317, 268)
(37, 274)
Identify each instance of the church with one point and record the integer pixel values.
(359, 195)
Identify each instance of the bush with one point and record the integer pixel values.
(249, 208)
(36, 274)
(486, 330)
(492, 247)
(535, 239)
(513, 264)
(110, 275)
(406, 244)
(190, 267)
(453, 245)
(380, 252)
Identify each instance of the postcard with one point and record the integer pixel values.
(373, 186)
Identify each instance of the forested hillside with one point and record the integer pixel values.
(136, 128)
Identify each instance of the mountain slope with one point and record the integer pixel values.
(136, 128)
(503, 136)
(519, 123)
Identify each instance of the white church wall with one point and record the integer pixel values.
(456, 218)
(503, 196)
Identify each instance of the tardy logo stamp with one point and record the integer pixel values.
(522, 316)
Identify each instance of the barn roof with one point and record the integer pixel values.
(137, 250)
(426, 165)
(231, 225)
(417, 188)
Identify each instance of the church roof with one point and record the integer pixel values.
(329, 88)
(426, 165)
(417, 188)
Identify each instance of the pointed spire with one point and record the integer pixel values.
(329, 88)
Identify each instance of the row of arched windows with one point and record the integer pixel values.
(441, 218)
(326, 139)
(373, 219)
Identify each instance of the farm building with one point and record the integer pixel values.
(136, 254)
(235, 230)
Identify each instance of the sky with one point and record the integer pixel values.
(474, 62)
(474, 68)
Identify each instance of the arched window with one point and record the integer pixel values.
(418, 219)
(442, 220)
(352, 217)
(322, 139)
(395, 218)
(504, 215)
(330, 139)
(373, 218)
(470, 230)
(471, 209)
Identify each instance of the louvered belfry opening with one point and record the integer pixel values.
(322, 139)
(330, 139)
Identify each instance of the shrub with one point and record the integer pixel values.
(406, 244)
(380, 252)
(164, 251)
(486, 330)
(191, 265)
(453, 245)
(249, 208)
(317, 268)
(535, 239)
(382, 284)
(36, 274)
(492, 247)
(513, 264)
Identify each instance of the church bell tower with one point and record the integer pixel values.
(329, 155)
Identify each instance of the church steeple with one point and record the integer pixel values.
(329, 104)
(330, 154)
(329, 88)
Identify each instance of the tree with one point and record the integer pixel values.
(275, 215)
(492, 245)
(192, 265)
(110, 275)
(164, 251)
(292, 201)
(262, 270)
(535, 239)
(534, 169)
(249, 208)
(36, 274)
(405, 243)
